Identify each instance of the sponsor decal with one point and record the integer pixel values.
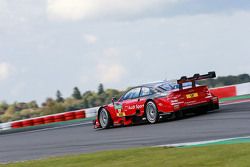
(135, 107)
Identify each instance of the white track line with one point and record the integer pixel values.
(234, 102)
(200, 142)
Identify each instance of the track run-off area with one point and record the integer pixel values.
(231, 120)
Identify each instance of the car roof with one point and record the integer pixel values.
(155, 84)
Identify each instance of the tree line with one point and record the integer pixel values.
(78, 100)
(226, 80)
(88, 99)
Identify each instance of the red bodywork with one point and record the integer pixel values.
(167, 103)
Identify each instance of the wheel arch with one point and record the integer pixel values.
(98, 113)
(145, 104)
(148, 100)
(102, 107)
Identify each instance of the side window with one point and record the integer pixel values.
(127, 95)
(166, 87)
(145, 91)
(136, 93)
(132, 94)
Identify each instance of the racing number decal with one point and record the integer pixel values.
(192, 95)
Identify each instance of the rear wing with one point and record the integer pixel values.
(195, 78)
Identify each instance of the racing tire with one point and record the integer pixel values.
(204, 111)
(104, 118)
(216, 106)
(152, 114)
(179, 114)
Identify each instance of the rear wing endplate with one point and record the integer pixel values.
(195, 78)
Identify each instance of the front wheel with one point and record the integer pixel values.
(105, 119)
(152, 114)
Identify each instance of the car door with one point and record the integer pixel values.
(130, 101)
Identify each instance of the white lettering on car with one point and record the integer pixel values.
(139, 106)
(131, 107)
(135, 107)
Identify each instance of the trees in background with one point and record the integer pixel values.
(100, 89)
(59, 97)
(76, 94)
(77, 101)
(227, 80)
(3, 107)
(93, 99)
(18, 111)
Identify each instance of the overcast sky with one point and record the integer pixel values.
(47, 45)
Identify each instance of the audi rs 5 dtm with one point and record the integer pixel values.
(154, 101)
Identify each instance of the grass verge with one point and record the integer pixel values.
(242, 97)
(231, 155)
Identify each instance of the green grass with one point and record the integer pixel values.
(242, 97)
(232, 155)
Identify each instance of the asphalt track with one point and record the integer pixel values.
(229, 121)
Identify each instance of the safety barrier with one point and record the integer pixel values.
(26, 123)
(49, 119)
(37, 121)
(17, 124)
(91, 112)
(223, 92)
(5, 126)
(231, 91)
(71, 115)
(80, 114)
(59, 118)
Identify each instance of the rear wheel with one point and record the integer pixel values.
(179, 114)
(105, 118)
(152, 114)
(216, 106)
(204, 111)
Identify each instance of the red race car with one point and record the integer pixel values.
(154, 101)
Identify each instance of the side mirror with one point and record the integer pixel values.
(114, 99)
